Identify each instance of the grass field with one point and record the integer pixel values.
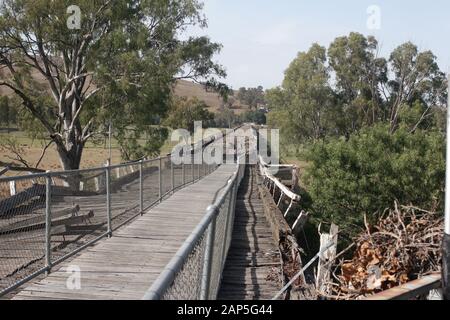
(94, 155)
(97, 155)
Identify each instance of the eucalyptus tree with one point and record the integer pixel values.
(303, 106)
(416, 81)
(75, 67)
(359, 74)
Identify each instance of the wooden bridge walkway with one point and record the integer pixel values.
(252, 269)
(125, 266)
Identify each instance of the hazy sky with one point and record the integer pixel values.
(261, 37)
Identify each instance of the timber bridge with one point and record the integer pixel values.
(155, 229)
(151, 229)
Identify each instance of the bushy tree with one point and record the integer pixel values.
(416, 78)
(349, 87)
(359, 75)
(184, 112)
(364, 175)
(258, 117)
(251, 96)
(119, 65)
(225, 118)
(303, 107)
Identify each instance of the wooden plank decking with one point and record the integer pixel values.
(253, 263)
(125, 266)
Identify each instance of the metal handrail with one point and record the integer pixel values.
(411, 289)
(105, 171)
(168, 275)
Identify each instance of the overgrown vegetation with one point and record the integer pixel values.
(184, 112)
(364, 175)
(252, 97)
(118, 67)
(371, 128)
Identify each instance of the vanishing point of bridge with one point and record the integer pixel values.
(164, 232)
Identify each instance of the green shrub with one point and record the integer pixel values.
(364, 175)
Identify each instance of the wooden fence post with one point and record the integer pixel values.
(12, 188)
(326, 258)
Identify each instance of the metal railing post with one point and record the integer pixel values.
(183, 172)
(227, 226)
(207, 262)
(160, 179)
(141, 187)
(193, 169)
(172, 174)
(108, 198)
(48, 222)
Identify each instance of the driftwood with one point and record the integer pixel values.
(403, 246)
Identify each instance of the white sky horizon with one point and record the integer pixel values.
(261, 37)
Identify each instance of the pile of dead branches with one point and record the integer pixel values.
(403, 246)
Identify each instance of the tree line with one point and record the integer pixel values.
(371, 129)
(118, 67)
(349, 86)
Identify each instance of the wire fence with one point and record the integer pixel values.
(47, 218)
(195, 271)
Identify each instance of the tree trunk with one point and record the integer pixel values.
(70, 159)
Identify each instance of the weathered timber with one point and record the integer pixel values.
(38, 221)
(253, 266)
(126, 265)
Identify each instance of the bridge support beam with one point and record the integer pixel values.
(141, 187)
(48, 223)
(108, 198)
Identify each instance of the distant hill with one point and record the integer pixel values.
(183, 88)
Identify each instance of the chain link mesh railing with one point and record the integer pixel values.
(22, 228)
(47, 218)
(218, 254)
(191, 273)
(77, 210)
(196, 270)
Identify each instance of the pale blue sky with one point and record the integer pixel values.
(261, 37)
